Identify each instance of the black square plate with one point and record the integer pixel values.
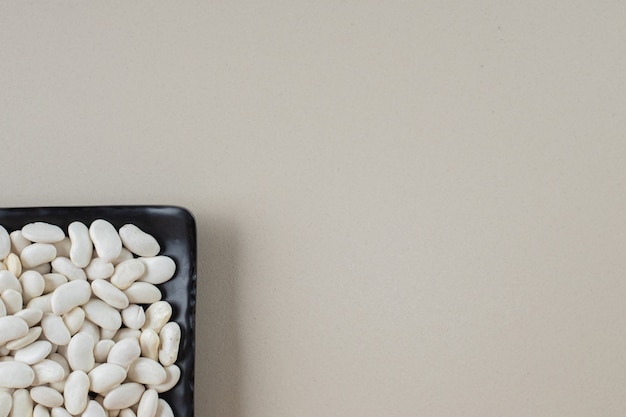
(175, 230)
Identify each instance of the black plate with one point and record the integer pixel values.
(175, 230)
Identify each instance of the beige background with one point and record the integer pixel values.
(404, 208)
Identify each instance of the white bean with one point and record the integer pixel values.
(138, 241)
(22, 403)
(103, 378)
(70, 295)
(52, 281)
(147, 371)
(170, 341)
(94, 409)
(102, 314)
(91, 329)
(33, 353)
(124, 352)
(102, 349)
(33, 284)
(164, 409)
(143, 293)
(107, 334)
(59, 386)
(109, 293)
(74, 319)
(173, 375)
(8, 280)
(127, 412)
(63, 247)
(42, 232)
(6, 403)
(12, 328)
(133, 316)
(66, 267)
(46, 396)
(159, 269)
(43, 303)
(99, 269)
(18, 241)
(127, 334)
(76, 392)
(13, 264)
(47, 371)
(14, 374)
(124, 255)
(105, 239)
(82, 248)
(150, 342)
(12, 301)
(44, 268)
(124, 396)
(127, 272)
(32, 335)
(37, 254)
(148, 404)
(5, 243)
(80, 352)
(60, 359)
(157, 315)
(54, 329)
(59, 412)
(40, 411)
(30, 316)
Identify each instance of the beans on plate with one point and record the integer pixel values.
(83, 327)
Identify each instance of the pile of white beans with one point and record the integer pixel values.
(83, 329)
